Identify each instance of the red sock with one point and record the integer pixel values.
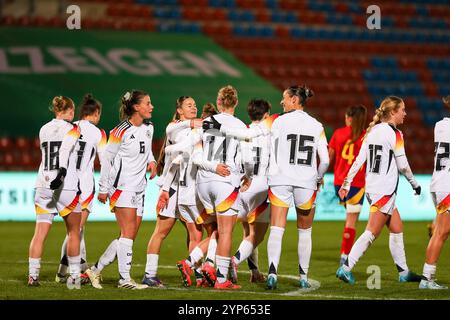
(347, 240)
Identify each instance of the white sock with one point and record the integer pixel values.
(429, 270)
(74, 266)
(151, 268)
(252, 260)
(195, 256)
(34, 265)
(358, 249)
(398, 252)
(274, 248)
(304, 251)
(63, 264)
(223, 264)
(212, 246)
(83, 262)
(107, 257)
(125, 257)
(244, 251)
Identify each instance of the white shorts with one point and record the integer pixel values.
(127, 199)
(47, 201)
(441, 201)
(171, 210)
(289, 196)
(219, 197)
(87, 187)
(195, 214)
(253, 204)
(381, 202)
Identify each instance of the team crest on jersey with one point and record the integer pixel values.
(148, 133)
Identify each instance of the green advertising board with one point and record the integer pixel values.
(37, 63)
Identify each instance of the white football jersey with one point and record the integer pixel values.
(51, 137)
(91, 141)
(187, 174)
(219, 148)
(257, 153)
(127, 155)
(297, 140)
(440, 181)
(382, 146)
(173, 129)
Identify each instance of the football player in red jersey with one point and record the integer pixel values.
(344, 147)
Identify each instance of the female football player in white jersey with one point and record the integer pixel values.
(294, 177)
(254, 212)
(383, 149)
(440, 193)
(56, 139)
(184, 120)
(92, 140)
(218, 193)
(127, 157)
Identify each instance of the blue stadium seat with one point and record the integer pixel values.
(272, 4)
(247, 16)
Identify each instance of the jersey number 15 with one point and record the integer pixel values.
(293, 138)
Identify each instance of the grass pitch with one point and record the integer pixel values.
(15, 238)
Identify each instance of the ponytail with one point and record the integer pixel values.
(389, 104)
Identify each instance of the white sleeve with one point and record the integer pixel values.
(101, 147)
(185, 145)
(151, 157)
(112, 149)
(174, 126)
(273, 161)
(324, 157)
(197, 159)
(360, 160)
(245, 133)
(67, 145)
(405, 169)
(171, 174)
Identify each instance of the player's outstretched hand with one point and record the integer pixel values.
(417, 190)
(102, 197)
(163, 200)
(222, 170)
(58, 181)
(343, 193)
(152, 169)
